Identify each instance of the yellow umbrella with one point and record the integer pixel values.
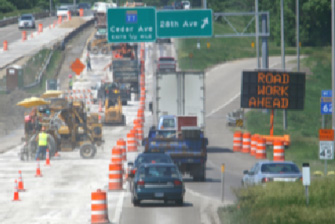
(32, 102)
(51, 94)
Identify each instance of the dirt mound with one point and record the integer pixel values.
(73, 23)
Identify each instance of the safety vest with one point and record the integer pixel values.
(42, 139)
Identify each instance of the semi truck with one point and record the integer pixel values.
(178, 110)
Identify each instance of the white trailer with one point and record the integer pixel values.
(181, 94)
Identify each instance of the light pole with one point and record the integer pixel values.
(50, 8)
(283, 53)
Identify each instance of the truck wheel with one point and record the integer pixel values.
(180, 202)
(87, 151)
(200, 173)
(124, 120)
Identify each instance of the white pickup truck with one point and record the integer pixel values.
(166, 64)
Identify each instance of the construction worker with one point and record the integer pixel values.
(42, 139)
(88, 62)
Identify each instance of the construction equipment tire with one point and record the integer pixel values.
(87, 151)
(95, 50)
(104, 50)
(124, 120)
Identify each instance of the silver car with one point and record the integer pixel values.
(267, 171)
(26, 21)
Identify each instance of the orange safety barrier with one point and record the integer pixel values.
(131, 142)
(115, 176)
(24, 35)
(253, 147)
(20, 186)
(261, 149)
(237, 142)
(38, 170)
(246, 138)
(117, 156)
(54, 24)
(134, 131)
(99, 210)
(270, 139)
(16, 192)
(69, 15)
(81, 12)
(59, 19)
(278, 151)
(142, 92)
(5, 45)
(40, 28)
(122, 145)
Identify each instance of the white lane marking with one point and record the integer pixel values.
(118, 210)
(224, 105)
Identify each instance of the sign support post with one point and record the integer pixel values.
(222, 182)
(306, 180)
(271, 122)
(326, 152)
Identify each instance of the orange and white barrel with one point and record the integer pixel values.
(117, 155)
(237, 142)
(261, 149)
(142, 102)
(131, 142)
(278, 151)
(115, 176)
(253, 146)
(99, 210)
(122, 145)
(140, 115)
(246, 142)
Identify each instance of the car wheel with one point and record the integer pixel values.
(180, 202)
(135, 201)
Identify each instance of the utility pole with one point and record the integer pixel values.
(257, 33)
(50, 8)
(205, 4)
(283, 54)
(298, 45)
(333, 64)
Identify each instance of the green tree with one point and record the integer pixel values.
(6, 6)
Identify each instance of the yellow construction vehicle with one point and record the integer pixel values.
(113, 105)
(68, 126)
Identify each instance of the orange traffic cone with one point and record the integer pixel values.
(20, 186)
(47, 159)
(38, 169)
(56, 154)
(16, 192)
(100, 106)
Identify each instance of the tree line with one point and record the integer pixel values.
(315, 15)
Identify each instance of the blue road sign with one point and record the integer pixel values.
(326, 93)
(326, 108)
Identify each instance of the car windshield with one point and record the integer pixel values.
(159, 171)
(63, 7)
(166, 59)
(26, 17)
(152, 158)
(278, 168)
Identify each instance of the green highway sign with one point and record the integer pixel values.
(184, 23)
(131, 25)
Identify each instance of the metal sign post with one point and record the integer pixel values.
(222, 181)
(326, 151)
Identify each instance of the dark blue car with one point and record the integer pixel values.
(158, 181)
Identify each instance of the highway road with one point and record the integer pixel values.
(12, 33)
(62, 195)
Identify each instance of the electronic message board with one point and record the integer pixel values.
(273, 89)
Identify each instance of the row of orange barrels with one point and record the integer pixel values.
(255, 145)
(117, 173)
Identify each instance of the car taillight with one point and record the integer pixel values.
(133, 171)
(153, 161)
(140, 183)
(177, 182)
(265, 179)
